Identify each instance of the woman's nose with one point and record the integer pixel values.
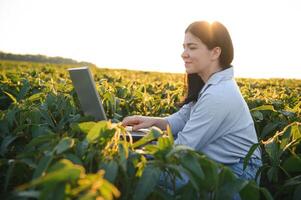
(184, 54)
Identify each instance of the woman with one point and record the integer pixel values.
(214, 118)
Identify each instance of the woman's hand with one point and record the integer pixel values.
(138, 122)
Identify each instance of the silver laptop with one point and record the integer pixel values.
(89, 99)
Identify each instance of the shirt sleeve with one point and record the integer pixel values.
(201, 129)
(178, 120)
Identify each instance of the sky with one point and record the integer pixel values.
(148, 35)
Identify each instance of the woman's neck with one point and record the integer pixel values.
(206, 74)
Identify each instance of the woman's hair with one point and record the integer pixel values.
(212, 35)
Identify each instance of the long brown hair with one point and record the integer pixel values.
(212, 35)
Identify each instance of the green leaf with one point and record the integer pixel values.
(109, 191)
(185, 192)
(4, 126)
(56, 190)
(292, 164)
(152, 135)
(123, 155)
(35, 97)
(273, 174)
(266, 193)
(63, 170)
(291, 137)
(181, 173)
(228, 185)
(24, 90)
(14, 100)
(250, 192)
(273, 150)
(83, 127)
(211, 170)
(82, 148)
(65, 144)
(40, 130)
(297, 107)
(42, 166)
(258, 116)
(9, 173)
(45, 115)
(164, 143)
(264, 107)
(74, 158)
(191, 163)
(147, 183)
(250, 153)
(11, 116)
(150, 149)
(40, 140)
(293, 181)
(269, 128)
(96, 130)
(111, 170)
(285, 137)
(178, 149)
(296, 134)
(29, 162)
(6, 142)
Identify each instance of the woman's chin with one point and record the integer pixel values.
(189, 71)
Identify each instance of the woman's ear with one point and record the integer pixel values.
(215, 53)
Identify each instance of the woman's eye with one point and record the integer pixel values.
(190, 48)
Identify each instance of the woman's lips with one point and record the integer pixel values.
(187, 63)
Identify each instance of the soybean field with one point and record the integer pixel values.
(50, 150)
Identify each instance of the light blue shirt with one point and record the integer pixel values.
(219, 124)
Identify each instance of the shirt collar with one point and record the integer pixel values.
(217, 77)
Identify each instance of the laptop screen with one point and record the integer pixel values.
(89, 99)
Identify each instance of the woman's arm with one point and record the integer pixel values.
(176, 121)
(139, 122)
(207, 117)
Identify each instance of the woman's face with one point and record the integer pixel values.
(196, 55)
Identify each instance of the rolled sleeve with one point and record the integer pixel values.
(178, 120)
(205, 119)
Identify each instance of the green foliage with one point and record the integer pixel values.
(49, 150)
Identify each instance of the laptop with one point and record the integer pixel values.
(89, 99)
